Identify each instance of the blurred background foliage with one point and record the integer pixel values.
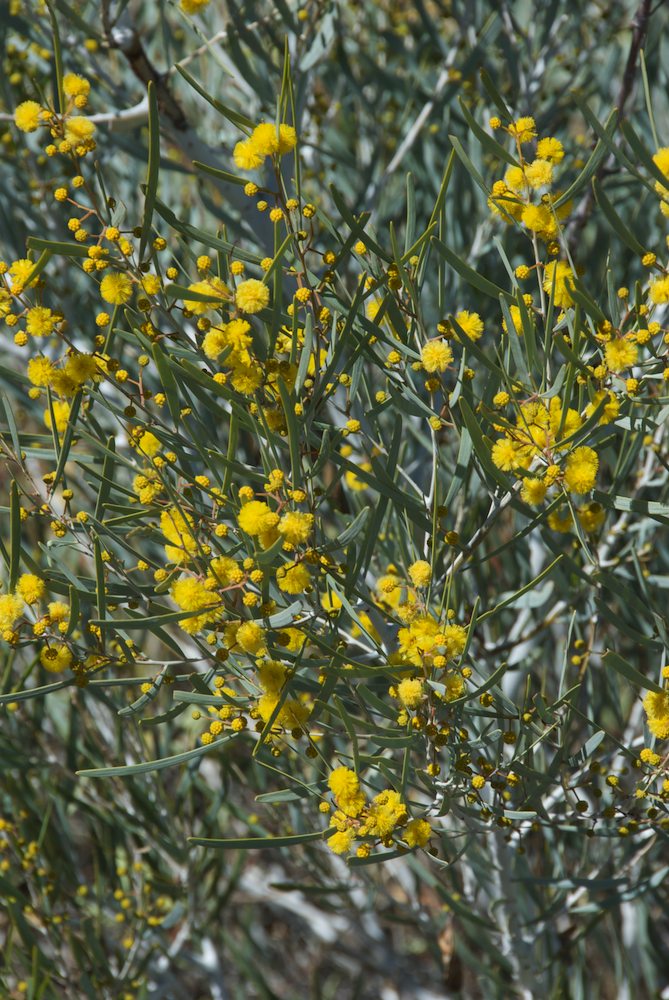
(102, 895)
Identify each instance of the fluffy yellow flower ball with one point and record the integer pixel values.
(471, 323)
(79, 130)
(11, 609)
(417, 833)
(420, 573)
(436, 356)
(581, 470)
(345, 786)
(116, 288)
(61, 411)
(251, 296)
(296, 527)
(31, 588)
(293, 579)
(563, 274)
(55, 659)
(27, 116)
(410, 692)
(255, 518)
(620, 354)
(656, 706)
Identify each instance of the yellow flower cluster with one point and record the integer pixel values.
(380, 820)
(656, 706)
(513, 197)
(537, 442)
(426, 642)
(265, 140)
(74, 132)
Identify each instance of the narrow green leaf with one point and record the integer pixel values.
(259, 843)
(153, 167)
(236, 117)
(630, 673)
(221, 175)
(56, 248)
(168, 380)
(471, 276)
(614, 220)
(487, 141)
(14, 535)
(153, 765)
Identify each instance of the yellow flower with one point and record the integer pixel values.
(550, 149)
(79, 130)
(341, 842)
(148, 444)
(293, 579)
(560, 520)
(504, 454)
(271, 676)
(436, 356)
(40, 321)
(246, 378)
(533, 491)
(27, 116)
(417, 833)
(514, 178)
(581, 470)
(420, 573)
(265, 138)
(661, 160)
(563, 273)
(147, 486)
(620, 354)
(591, 516)
(523, 129)
(611, 407)
(287, 139)
(58, 611)
(659, 290)
(11, 609)
(539, 173)
(471, 323)
(250, 637)
(296, 527)
(656, 706)
(455, 686)
(192, 595)
(345, 786)
(410, 692)
(210, 286)
(539, 219)
(251, 296)
(116, 288)
(79, 368)
(40, 371)
(247, 156)
(386, 812)
(177, 529)
(255, 518)
(75, 85)
(193, 6)
(20, 272)
(55, 659)
(151, 284)
(61, 411)
(31, 588)
(223, 570)
(454, 638)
